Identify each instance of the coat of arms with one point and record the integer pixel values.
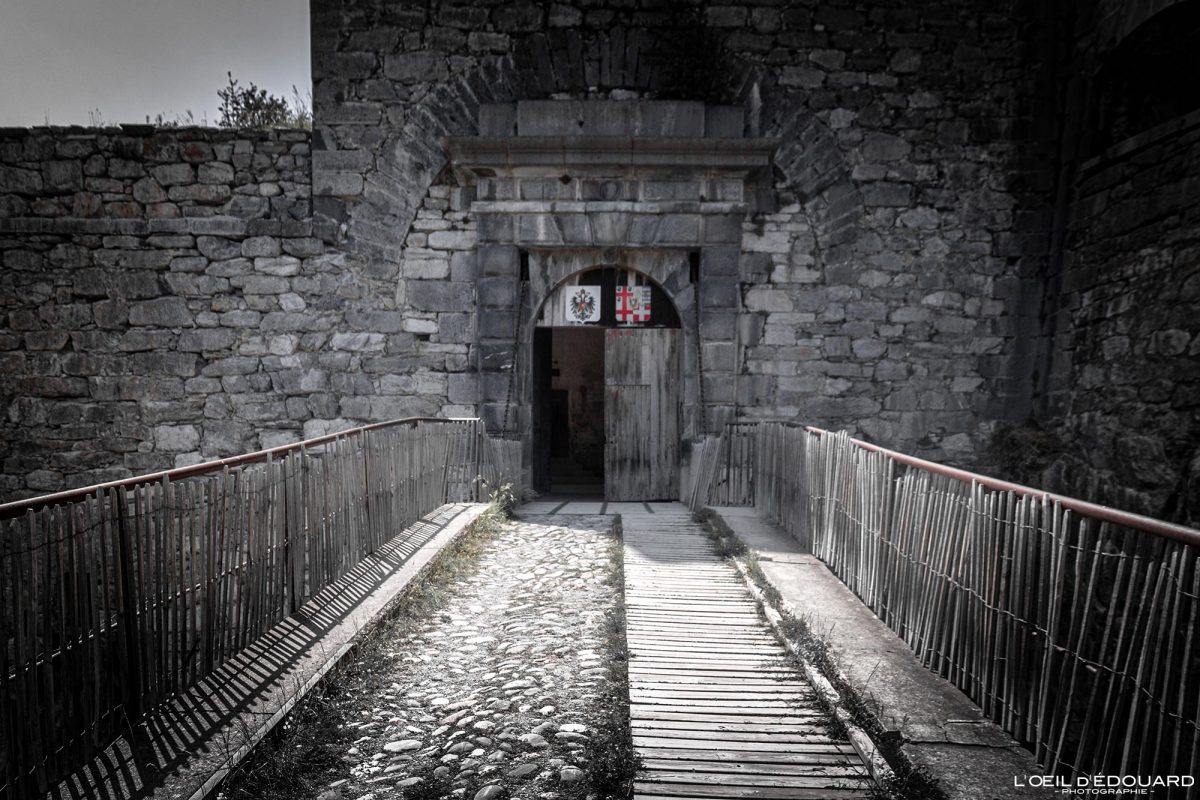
(633, 304)
(583, 304)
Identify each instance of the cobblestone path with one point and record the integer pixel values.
(499, 691)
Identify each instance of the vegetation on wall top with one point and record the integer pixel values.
(252, 107)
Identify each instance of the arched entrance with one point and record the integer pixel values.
(606, 388)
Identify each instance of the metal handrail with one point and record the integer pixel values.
(1170, 530)
(19, 507)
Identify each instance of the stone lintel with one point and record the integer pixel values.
(477, 156)
(603, 207)
(638, 117)
(592, 228)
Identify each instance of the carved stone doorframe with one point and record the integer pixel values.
(659, 187)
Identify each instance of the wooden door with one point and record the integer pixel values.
(641, 414)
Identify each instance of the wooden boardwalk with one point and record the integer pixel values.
(717, 711)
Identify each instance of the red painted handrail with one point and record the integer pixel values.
(1170, 530)
(20, 507)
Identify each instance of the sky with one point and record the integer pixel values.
(61, 59)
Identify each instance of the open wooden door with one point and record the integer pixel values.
(641, 413)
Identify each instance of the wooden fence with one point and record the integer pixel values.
(115, 598)
(1070, 624)
(733, 482)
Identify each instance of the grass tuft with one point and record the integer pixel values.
(612, 762)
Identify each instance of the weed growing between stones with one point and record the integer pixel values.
(303, 755)
(505, 498)
(612, 761)
(811, 645)
(908, 781)
(295, 758)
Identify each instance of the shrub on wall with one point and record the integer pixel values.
(252, 107)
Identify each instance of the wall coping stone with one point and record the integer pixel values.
(142, 129)
(214, 226)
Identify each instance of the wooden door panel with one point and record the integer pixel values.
(641, 414)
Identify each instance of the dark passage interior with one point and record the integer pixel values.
(569, 384)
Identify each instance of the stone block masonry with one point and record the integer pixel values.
(1124, 374)
(867, 289)
(138, 172)
(166, 298)
(864, 345)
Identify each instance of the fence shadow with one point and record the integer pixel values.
(194, 736)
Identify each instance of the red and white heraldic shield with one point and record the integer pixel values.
(633, 304)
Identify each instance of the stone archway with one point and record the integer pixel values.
(808, 178)
(811, 167)
(656, 186)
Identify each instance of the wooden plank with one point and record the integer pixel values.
(644, 789)
(683, 659)
(733, 739)
(703, 637)
(683, 592)
(817, 778)
(749, 688)
(688, 716)
(690, 605)
(652, 611)
(717, 648)
(670, 677)
(728, 621)
(653, 591)
(710, 692)
(717, 708)
(670, 589)
(649, 627)
(698, 634)
(24, 650)
(814, 725)
(700, 672)
(708, 651)
(641, 414)
(689, 666)
(707, 749)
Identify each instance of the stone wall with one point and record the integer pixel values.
(166, 298)
(1124, 390)
(878, 295)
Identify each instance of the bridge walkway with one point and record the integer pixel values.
(717, 709)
